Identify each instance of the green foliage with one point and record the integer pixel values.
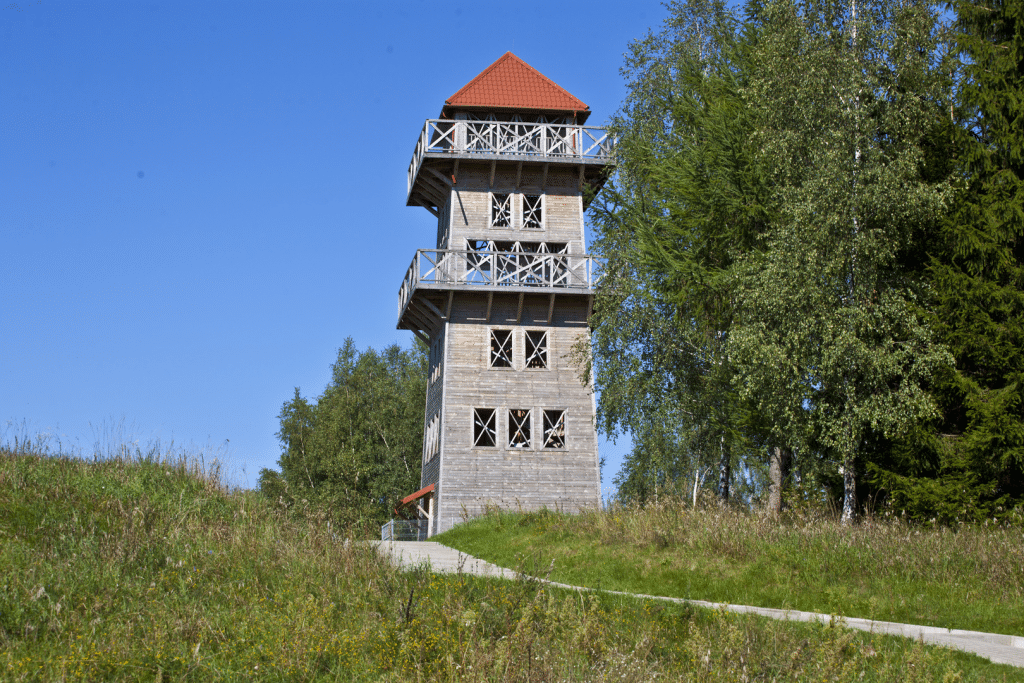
(357, 449)
(779, 177)
(685, 200)
(147, 569)
(831, 346)
(969, 463)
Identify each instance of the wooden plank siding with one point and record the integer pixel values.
(470, 207)
(467, 478)
(471, 478)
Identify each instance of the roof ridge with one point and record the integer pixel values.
(510, 83)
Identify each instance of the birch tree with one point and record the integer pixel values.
(827, 342)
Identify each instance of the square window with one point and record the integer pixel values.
(484, 428)
(501, 210)
(554, 429)
(533, 211)
(501, 348)
(519, 428)
(536, 349)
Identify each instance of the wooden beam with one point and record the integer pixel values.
(465, 219)
(455, 172)
(426, 322)
(433, 190)
(434, 185)
(490, 300)
(494, 167)
(413, 320)
(417, 318)
(544, 178)
(423, 338)
(448, 308)
(432, 307)
(447, 181)
(590, 307)
(426, 206)
(519, 173)
(551, 306)
(440, 196)
(519, 310)
(579, 187)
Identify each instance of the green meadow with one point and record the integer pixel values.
(969, 577)
(146, 567)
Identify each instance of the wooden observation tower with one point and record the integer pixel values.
(504, 296)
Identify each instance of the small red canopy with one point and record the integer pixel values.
(419, 494)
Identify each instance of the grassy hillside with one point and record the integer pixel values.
(151, 570)
(970, 577)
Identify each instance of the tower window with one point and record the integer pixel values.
(554, 429)
(501, 348)
(533, 211)
(501, 210)
(519, 428)
(536, 349)
(484, 428)
(432, 439)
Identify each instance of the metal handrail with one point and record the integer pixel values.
(561, 141)
(472, 268)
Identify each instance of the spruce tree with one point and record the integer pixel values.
(969, 463)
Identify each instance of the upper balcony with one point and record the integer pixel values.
(588, 147)
(436, 273)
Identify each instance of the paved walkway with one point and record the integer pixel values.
(1001, 649)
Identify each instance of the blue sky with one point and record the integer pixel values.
(199, 202)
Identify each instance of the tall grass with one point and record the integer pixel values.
(969, 577)
(144, 567)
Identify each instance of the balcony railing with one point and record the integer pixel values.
(563, 142)
(451, 269)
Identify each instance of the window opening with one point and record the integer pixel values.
(436, 357)
(433, 438)
(501, 210)
(536, 349)
(533, 211)
(554, 429)
(444, 224)
(484, 432)
(519, 428)
(501, 348)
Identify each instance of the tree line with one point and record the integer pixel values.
(813, 274)
(813, 248)
(354, 451)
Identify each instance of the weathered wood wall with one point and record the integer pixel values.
(469, 478)
(468, 213)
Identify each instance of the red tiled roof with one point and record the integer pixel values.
(511, 83)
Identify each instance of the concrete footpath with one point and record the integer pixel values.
(1001, 649)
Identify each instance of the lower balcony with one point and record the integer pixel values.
(509, 272)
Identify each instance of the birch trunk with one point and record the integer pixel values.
(724, 472)
(778, 471)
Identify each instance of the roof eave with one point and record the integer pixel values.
(448, 110)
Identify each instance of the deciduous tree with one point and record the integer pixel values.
(357, 448)
(829, 341)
